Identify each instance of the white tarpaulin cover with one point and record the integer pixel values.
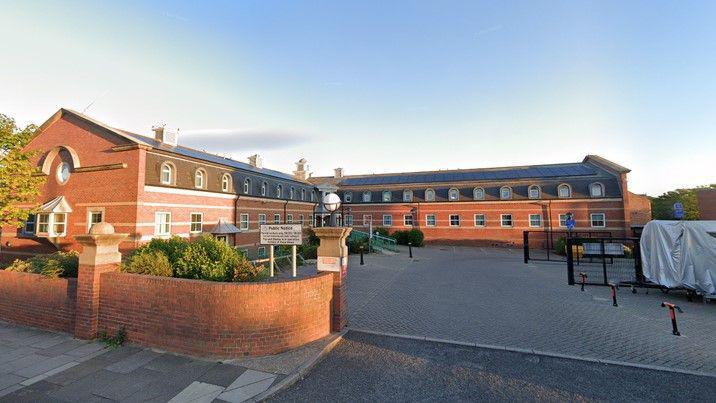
(680, 254)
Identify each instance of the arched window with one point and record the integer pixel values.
(407, 195)
(387, 196)
(534, 192)
(564, 190)
(596, 190)
(453, 194)
(366, 197)
(167, 173)
(200, 179)
(247, 186)
(225, 182)
(279, 191)
(303, 194)
(478, 194)
(429, 195)
(291, 193)
(505, 193)
(348, 197)
(264, 188)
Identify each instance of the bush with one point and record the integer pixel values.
(414, 236)
(245, 271)
(173, 248)
(382, 232)
(560, 246)
(59, 264)
(355, 246)
(208, 259)
(151, 262)
(312, 239)
(308, 251)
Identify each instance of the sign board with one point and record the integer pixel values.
(281, 234)
(678, 211)
(331, 263)
(571, 222)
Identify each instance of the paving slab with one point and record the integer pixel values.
(222, 374)
(246, 392)
(198, 392)
(43, 366)
(133, 362)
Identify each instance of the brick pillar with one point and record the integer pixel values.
(333, 257)
(100, 254)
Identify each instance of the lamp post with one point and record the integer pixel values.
(331, 202)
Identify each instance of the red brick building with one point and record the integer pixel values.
(148, 187)
(491, 205)
(706, 200)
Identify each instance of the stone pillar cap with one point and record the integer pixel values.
(102, 228)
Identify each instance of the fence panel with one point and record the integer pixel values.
(550, 245)
(604, 260)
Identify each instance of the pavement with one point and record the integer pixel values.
(365, 367)
(43, 366)
(488, 297)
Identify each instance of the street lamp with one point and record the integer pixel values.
(331, 202)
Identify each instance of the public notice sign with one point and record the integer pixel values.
(281, 234)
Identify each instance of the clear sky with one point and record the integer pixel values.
(380, 86)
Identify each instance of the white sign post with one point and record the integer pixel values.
(282, 234)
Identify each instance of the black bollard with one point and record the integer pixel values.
(583, 276)
(410, 249)
(614, 293)
(672, 314)
(361, 255)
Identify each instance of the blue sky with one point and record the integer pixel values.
(384, 86)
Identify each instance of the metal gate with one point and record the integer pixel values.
(600, 261)
(551, 245)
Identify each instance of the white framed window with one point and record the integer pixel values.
(262, 218)
(291, 193)
(598, 220)
(480, 220)
(506, 220)
(289, 218)
(387, 196)
(262, 252)
(225, 182)
(535, 220)
(429, 195)
(349, 220)
(43, 224)
(454, 220)
(505, 193)
(430, 220)
(195, 223)
(59, 226)
(534, 192)
(301, 219)
(596, 190)
(387, 220)
(348, 197)
(247, 186)
(29, 227)
(478, 193)
(264, 187)
(94, 217)
(303, 194)
(407, 195)
(243, 221)
(279, 191)
(367, 219)
(162, 223)
(277, 218)
(366, 197)
(199, 179)
(564, 191)
(563, 220)
(223, 238)
(408, 220)
(453, 194)
(167, 174)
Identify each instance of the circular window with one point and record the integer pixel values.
(63, 172)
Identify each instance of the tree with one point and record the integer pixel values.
(662, 207)
(19, 181)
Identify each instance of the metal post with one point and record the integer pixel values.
(525, 245)
(583, 276)
(271, 261)
(410, 249)
(614, 293)
(361, 255)
(672, 315)
(293, 260)
(570, 263)
(604, 262)
(636, 251)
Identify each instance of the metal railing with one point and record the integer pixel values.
(376, 242)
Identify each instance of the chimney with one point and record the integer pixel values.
(164, 136)
(338, 173)
(301, 172)
(255, 161)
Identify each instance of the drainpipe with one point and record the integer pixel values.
(236, 215)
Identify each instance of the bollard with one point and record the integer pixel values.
(672, 314)
(361, 255)
(583, 276)
(614, 293)
(410, 249)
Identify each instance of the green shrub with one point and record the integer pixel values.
(208, 259)
(560, 246)
(150, 262)
(173, 248)
(414, 236)
(312, 239)
(308, 251)
(245, 271)
(58, 264)
(355, 246)
(382, 232)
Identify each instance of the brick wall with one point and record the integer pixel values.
(639, 209)
(706, 199)
(216, 319)
(34, 300)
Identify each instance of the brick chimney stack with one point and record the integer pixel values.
(301, 172)
(256, 161)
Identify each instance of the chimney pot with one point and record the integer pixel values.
(338, 173)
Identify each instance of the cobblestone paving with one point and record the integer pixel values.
(489, 296)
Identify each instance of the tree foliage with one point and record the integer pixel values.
(662, 207)
(18, 179)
